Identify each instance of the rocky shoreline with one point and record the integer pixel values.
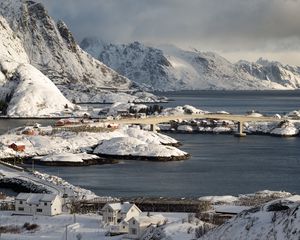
(146, 158)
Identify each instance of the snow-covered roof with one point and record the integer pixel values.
(122, 207)
(148, 220)
(35, 198)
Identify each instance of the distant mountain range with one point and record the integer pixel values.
(171, 68)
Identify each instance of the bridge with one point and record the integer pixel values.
(154, 120)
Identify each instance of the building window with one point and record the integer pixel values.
(20, 209)
(39, 210)
(133, 231)
(45, 204)
(133, 222)
(21, 202)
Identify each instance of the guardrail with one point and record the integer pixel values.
(12, 166)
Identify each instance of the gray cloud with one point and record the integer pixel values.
(232, 26)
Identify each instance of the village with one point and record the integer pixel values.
(60, 216)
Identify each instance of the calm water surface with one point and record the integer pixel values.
(220, 164)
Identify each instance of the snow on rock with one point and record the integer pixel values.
(285, 128)
(179, 110)
(71, 142)
(278, 219)
(129, 146)
(219, 199)
(222, 129)
(185, 128)
(36, 95)
(149, 136)
(67, 157)
(255, 114)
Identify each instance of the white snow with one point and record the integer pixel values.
(129, 146)
(185, 128)
(286, 129)
(66, 157)
(277, 219)
(72, 142)
(219, 199)
(36, 95)
(166, 68)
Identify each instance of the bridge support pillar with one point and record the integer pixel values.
(152, 127)
(240, 132)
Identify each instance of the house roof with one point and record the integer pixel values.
(36, 198)
(146, 221)
(122, 207)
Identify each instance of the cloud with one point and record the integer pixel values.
(231, 25)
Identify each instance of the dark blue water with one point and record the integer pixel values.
(237, 102)
(220, 164)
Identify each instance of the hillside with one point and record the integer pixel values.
(171, 68)
(278, 219)
(24, 90)
(52, 49)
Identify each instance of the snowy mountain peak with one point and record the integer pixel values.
(171, 68)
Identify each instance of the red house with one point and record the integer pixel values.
(17, 147)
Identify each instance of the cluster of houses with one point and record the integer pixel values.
(126, 218)
(119, 218)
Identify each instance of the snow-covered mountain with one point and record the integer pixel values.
(24, 90)
(52, 49)
(30, 37)
(171, 68)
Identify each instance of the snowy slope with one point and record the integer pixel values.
(51, 47)
(171, 68)
(28, 35)
(278, 219)
(35, 95)
(26, 91)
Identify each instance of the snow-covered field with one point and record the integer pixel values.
(87, 226)
(276, 219)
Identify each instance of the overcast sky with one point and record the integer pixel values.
(238, 29)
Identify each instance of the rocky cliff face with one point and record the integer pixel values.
(287, 76)
(52, 48)
(171, 68)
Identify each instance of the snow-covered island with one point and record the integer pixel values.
(50, 146)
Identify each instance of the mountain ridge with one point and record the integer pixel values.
(170, 68)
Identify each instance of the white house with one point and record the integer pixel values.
(115, 213)
(38, 204)
(138, 226)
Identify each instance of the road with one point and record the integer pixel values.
(165, 119)
(14, 173)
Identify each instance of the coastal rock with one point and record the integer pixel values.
(133, 148)
(285, 128)
(277, 219)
